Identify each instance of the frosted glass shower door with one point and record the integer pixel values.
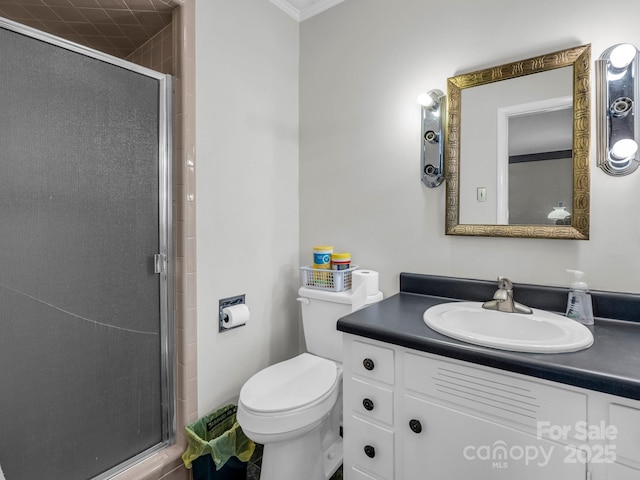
(84, 325)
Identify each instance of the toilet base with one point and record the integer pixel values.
(301, 458)
(332, 459)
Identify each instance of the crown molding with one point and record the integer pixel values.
(303, 9)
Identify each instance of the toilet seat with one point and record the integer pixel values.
(288, 396)
(289, 385)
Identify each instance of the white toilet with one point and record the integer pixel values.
(294, 408)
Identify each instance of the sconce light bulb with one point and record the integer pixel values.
(426, 100)
(622, 150)
(431, 99)
(622, 55)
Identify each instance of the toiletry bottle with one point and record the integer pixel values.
(340, 261)
(579, 306)
(322, 257)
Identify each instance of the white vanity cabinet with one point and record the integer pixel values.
(624, 416)
(410, 415)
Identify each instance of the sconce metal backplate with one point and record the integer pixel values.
(432, 153)
(617, 93)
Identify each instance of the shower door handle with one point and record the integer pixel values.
(159, 263)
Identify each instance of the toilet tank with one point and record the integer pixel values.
(321, 310)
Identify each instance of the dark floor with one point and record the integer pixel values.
(253, 468)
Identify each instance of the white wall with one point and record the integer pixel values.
(247, 189)
(362, 64)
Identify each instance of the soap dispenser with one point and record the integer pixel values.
(579, 306)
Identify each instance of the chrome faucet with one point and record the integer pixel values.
(503, 299)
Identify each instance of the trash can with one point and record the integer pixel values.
(217, 448)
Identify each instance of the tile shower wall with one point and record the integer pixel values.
(158, 52)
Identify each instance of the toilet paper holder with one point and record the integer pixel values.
(224, 303)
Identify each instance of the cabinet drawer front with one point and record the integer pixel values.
(373, 362)
(627, 439)
(370, 448)
(372, 401)
(359, 475)
(540, 408)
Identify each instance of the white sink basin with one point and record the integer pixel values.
(539, 332)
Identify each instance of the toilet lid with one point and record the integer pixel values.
(290, 384)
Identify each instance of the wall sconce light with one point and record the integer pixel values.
(617, 92)
(431, 154)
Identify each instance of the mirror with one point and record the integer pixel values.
(517, 148)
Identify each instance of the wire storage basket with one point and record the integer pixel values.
(324, 279)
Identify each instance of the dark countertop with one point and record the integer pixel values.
(611, 365)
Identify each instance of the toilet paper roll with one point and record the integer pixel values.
(365, 278)
(235, 315)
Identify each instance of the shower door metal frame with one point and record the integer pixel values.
(165, 268)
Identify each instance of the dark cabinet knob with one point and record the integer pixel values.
(368, 364)
(415, 426)
(369, 451)
(368, 404)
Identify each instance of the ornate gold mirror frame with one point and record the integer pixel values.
(580, 59)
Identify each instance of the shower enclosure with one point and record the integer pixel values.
(86, 297)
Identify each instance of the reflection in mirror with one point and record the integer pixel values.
(517, 148)
(539, 167)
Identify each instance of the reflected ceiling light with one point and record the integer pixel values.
(560, 215)
(433, 103)
(617, 128)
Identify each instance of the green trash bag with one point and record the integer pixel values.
(219, 435)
